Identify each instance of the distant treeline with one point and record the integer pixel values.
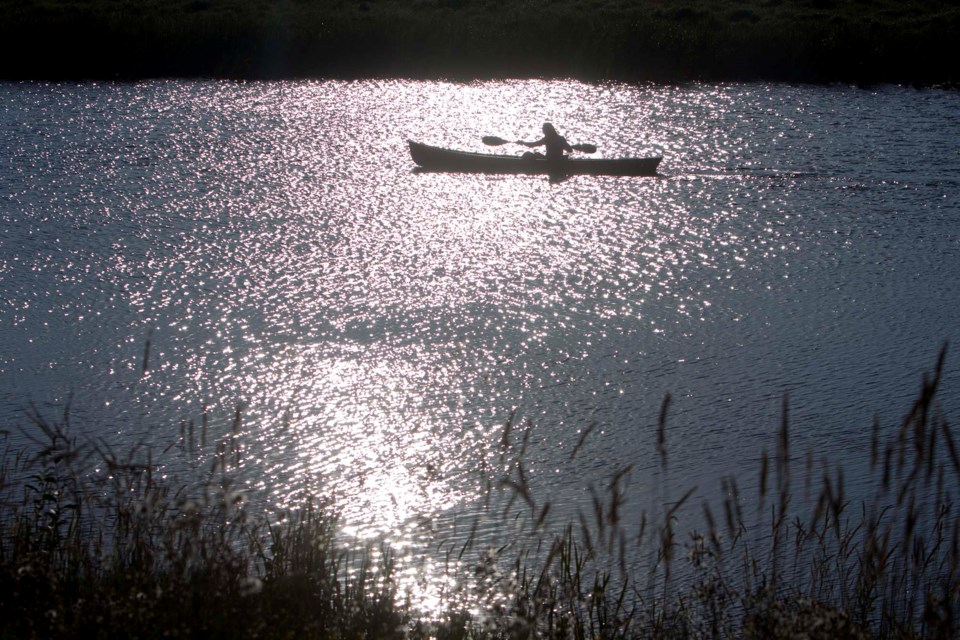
(858, 41)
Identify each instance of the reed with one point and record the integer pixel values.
(125, 550)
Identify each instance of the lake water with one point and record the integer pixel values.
(268, 247)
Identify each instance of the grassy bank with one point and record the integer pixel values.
(98, 545)
(863, 41)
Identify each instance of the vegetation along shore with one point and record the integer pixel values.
(856, 41)
(97, 543)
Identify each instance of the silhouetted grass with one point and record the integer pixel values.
(862, 41)
(98, 545)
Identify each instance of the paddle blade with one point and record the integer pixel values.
(585, 148)
(494, 141)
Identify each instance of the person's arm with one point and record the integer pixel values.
(535, 143)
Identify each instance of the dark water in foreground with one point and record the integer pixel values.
(377, 327)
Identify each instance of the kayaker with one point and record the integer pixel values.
(556, 144)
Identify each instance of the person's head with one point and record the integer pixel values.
(548, 129)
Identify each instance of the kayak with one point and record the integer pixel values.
(438, 159)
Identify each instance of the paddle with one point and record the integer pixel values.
(494, 141)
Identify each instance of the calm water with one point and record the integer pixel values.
(378, 326)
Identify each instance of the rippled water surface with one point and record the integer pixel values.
(177, 251)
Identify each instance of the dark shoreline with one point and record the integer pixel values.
(861, 42)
